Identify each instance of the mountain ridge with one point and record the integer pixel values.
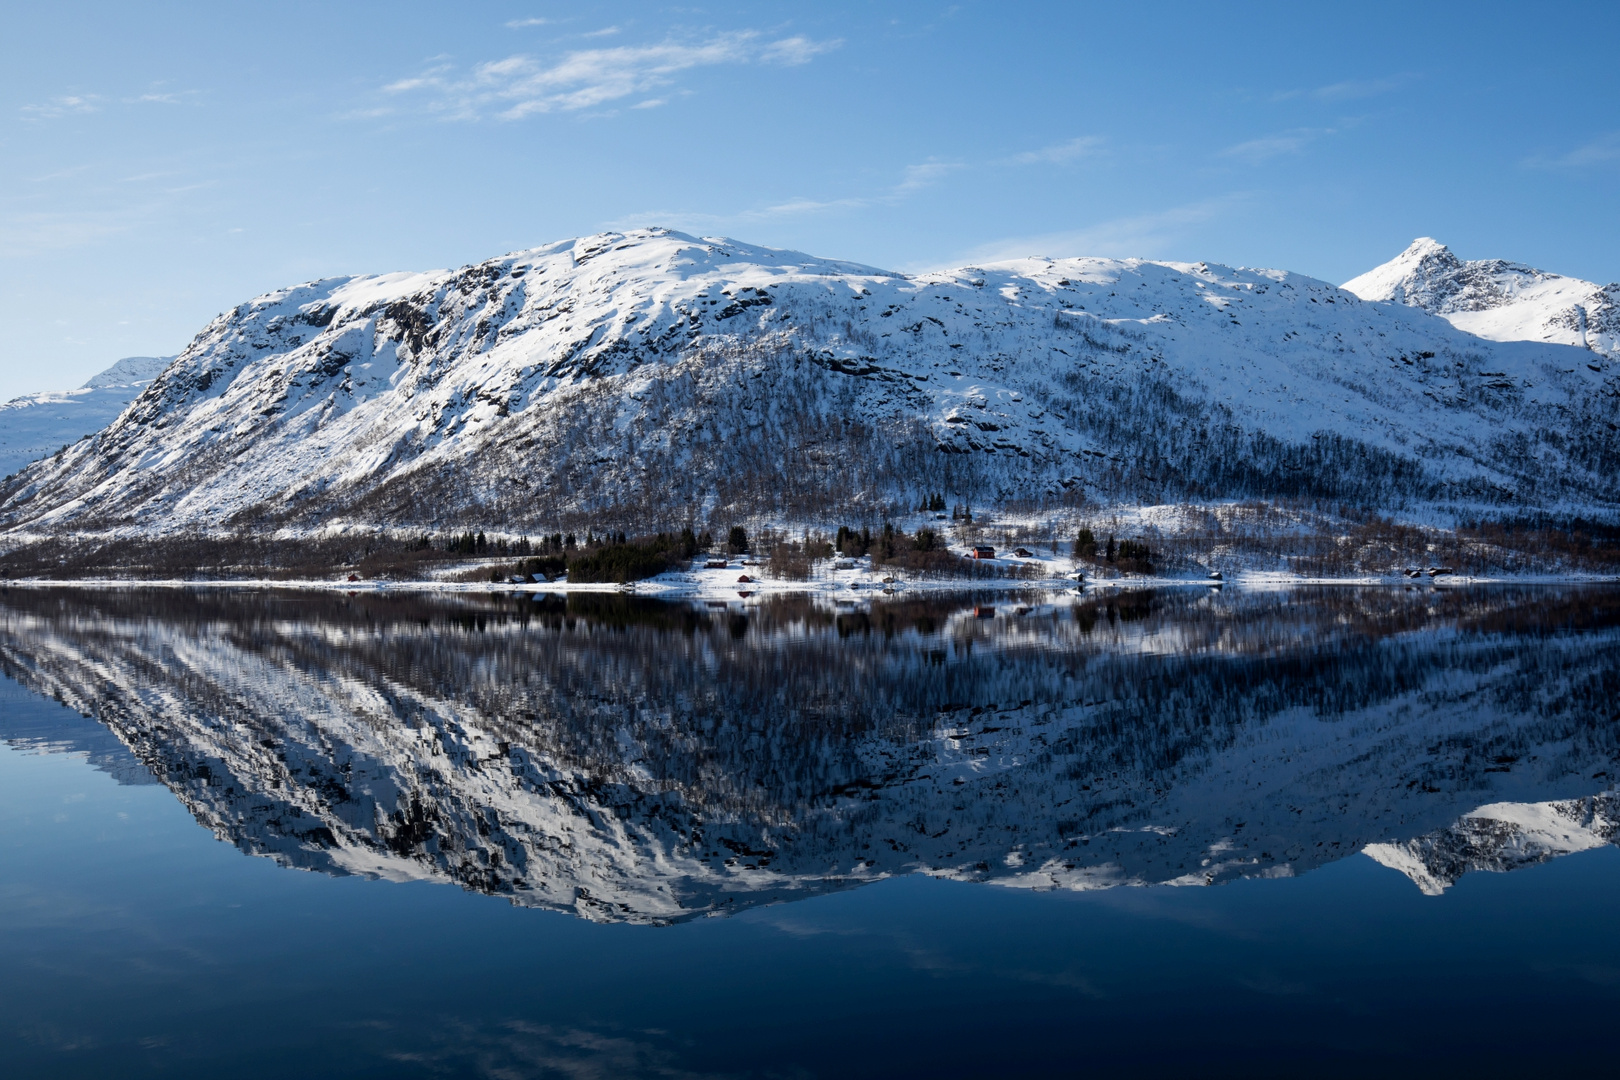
(1497, 299)
(654, 377)
(33, 426)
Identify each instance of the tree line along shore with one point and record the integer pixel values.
(926, 545)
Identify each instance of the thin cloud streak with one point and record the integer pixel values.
(67, 105)
(1057, 154)
(927, 174)
(797, 50)
(1600, 151)
(1138, 236)
(522, 85)
(1257, 151)
(914, 179)
(1350, 89)
(27, 235)
(83, 104)
(173, 97)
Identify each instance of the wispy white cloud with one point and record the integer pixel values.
(927, 174)
(913, 179)
(163, 97)
(523, 85)
(1350, 89)
(433, 77)
(519, 24)
(1141, 235)
(708, 223)
(67, 105)
(61, 174)
(797, 50)
(1256, 151)
(606, 31)
(81, 104)
(1603, 150)
(801, 207)
(1057, 153)
(33, 234)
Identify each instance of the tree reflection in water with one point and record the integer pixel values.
(633, 760)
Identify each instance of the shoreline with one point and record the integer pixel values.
(853, 587)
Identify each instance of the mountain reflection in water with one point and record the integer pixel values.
(631, 760)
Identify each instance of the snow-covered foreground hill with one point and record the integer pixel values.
(633, 761)
(649, 379)
(37, 425)
(1499, 300)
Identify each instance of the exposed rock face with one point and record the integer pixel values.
(649, 763)
(648, 379)
(1496, 299)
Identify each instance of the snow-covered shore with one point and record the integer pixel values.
(746, 581)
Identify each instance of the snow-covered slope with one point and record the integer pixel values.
(651, 377)
(1504, 836)
(36, 425)
(650, 763)
(1502, 301)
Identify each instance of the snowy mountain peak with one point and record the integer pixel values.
(639, 376)
(1425, 259)
(1501, 837)
(36, 425)
(1496, 299)
(134, 371)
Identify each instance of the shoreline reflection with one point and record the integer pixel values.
(630, 760)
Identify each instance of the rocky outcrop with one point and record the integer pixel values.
(1499, 300)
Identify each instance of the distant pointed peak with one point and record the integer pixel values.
(1425, 245)
(1390, 280)
(130, 371)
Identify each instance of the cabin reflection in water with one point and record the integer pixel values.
(631, 760)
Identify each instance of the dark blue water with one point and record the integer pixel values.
(655, 841)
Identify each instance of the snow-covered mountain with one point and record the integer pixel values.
(1504, 836)
(650, 377)
(37, 425)
(1502, 301)
(633, 761)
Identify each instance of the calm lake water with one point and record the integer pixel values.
(1331, 832)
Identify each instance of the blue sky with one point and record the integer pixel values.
(161, 162)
